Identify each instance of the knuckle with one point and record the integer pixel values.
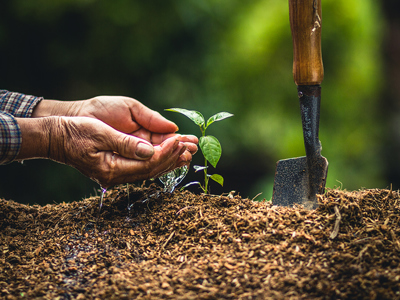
(126, 144)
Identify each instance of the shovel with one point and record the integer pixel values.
(299, 180)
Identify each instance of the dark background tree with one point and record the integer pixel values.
(210, 56)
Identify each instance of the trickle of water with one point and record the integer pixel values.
(103, 191)
(173, 178)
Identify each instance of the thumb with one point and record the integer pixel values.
(132, 147)
(144, 149)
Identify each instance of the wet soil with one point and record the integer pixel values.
(187, 246)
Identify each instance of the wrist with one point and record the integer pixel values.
(48, 108)
(41, 138)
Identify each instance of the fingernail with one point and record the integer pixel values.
(144, 150)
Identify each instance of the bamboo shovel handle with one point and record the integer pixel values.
(305, 22)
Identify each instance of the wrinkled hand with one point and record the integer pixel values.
(122, 113)
(111, 157)
(125, 114)
(91, 146)
(132, 117)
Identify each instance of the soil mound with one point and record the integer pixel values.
(187, 246)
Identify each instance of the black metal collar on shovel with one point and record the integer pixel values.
(299, 180)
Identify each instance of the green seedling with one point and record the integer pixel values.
(209, 145)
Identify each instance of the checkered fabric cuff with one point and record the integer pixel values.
(10, 138)
(19, 105)
(13, 105)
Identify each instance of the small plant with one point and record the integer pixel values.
(209, 145)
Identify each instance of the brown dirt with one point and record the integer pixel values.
(186, 246)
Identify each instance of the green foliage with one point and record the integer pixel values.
(211, 149)
(209, 145)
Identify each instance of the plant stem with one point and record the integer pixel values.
(205, 177)
(203, 132)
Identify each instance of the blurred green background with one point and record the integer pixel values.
(212, 56)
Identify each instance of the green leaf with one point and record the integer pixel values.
(193, 115)
(218, 178)
(218, 117)
(211, 149)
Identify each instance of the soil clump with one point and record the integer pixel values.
(187, 246)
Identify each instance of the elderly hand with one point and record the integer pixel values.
(122, 113)
(97, 150)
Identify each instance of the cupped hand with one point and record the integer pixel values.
(126, 114)
(132, 117)
(111, 157)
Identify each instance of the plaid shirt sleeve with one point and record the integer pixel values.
(13, 105)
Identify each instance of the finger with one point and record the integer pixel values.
(154, 138)
(192, 148)
(159, 138)
(128, 170)
(151, 120)
(165, 158)
(131, 147)
(174, 162)
(188, 138)
(184, 158)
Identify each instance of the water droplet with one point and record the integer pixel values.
(173, 178)
(103, 191)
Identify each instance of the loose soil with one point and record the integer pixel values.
(187, 246)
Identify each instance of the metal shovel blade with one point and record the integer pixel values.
(295, 185)
(299, 180)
